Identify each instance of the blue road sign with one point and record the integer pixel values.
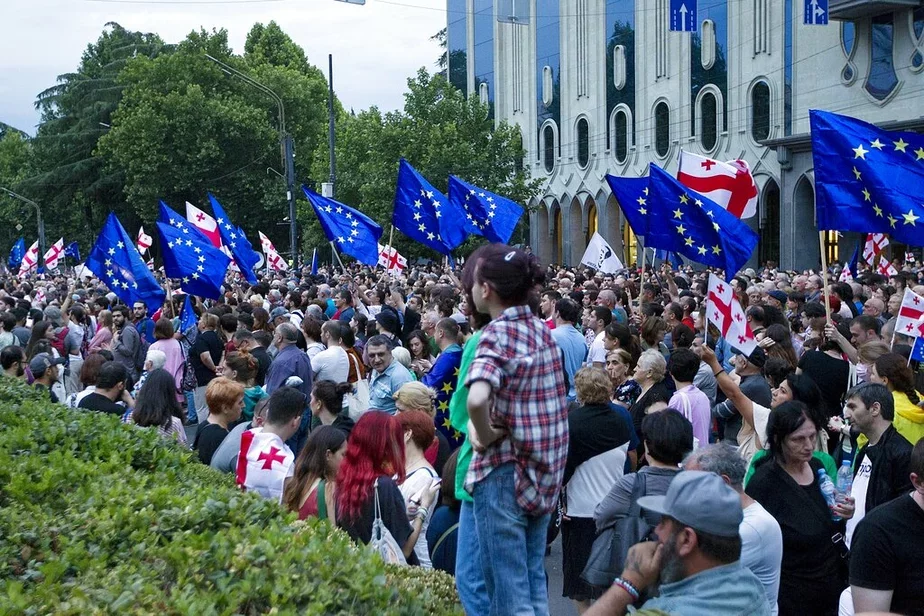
(683, 16)
(816, 13)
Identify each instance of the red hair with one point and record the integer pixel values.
(375, 448)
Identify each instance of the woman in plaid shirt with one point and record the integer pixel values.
(518, 428)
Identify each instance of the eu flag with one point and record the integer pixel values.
(16, 254)
(187, 315)
(867, 179)
(424, 214)
(917, 351)
(234, 238)
(487, 214)
(632, 196)
(442, 379)
(695, 227)
(193, 259)
(72, 250)
(182, 225)
(115, 261)
(352, 231)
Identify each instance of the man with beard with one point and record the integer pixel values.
(11, 359)
(695, 560)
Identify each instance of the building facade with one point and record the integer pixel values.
(603, 86)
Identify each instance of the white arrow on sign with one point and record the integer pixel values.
(683, 17)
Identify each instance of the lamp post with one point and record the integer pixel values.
(38, 214)
(287, 148)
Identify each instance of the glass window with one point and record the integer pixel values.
(548, 148)
(662, 129)
(709, 112)
(483, 25)
(760, 111)
(848, 37)
(583, 142)
(622, 136)
(882, 79)
(548, 60)
(456, 43)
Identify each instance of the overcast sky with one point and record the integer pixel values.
(376, 47)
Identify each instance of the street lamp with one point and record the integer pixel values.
(287, 147)
(38, 214)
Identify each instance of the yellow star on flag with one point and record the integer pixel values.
(678, 213)
(892, 221)
(919, 153)
(856, 172)
(684, 198)
(701, 250)
(642, 210)
(455, 372)
(860, 152)
(641, 200)
(716, 250)
(443, 405)
(900, 145)
(447, 387)
(456, 435)
(865, 194)
(877, 209)
(877, 144)
(689, 241)
(681, 229)
(447, 423)
(910, 218)
(716, 226)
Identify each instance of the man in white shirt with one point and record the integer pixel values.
(761, 538)
(600, 317)
(331, 364)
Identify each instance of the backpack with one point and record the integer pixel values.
(188, 380)
(58, 342)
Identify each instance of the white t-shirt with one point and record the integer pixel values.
(416, 481)
(762, 550)
(858, 491)
(331, 365)
(597, 352)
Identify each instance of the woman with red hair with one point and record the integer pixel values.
(375, 453)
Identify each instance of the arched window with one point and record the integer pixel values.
(622, 135)
(662, 129)
(583, 142)
(548, 148)
(760, 111)
(709, 116)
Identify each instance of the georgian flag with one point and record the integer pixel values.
(730, 184)
(724, 310)
(600, 256)
(908, 319)
(273, 258)
(886, 268)
(54, 254)
(264, 463)
(29, 260)
(875, 244)
(144, 241)
(391, 259)
(205, 223)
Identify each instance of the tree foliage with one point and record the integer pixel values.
(440, 132)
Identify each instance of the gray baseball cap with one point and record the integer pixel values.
(701, 501)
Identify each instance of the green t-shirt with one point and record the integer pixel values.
(458, 416)
(826, 460)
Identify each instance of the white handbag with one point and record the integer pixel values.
(382, 540)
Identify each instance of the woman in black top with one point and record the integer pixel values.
(786, 483)
(649, 374)
(225, 399)
(204, 357)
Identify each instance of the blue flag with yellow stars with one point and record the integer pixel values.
(353, 232)
(867, 179)
(442, 379)
(686, 222)
(488, 215)
(632, 196)
(187, 315)
(194, 260)
(425, 215)
(236, 240)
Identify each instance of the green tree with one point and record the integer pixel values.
(440, 132)
(16, 159)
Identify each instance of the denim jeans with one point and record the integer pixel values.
(191, 415)
(512, 547)
(469, 574)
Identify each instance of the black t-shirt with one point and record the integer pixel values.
(206, 342)
(263, 364)
(51, 395)
(394, 515)
(99, 402)
(830, 374)
(886, 554)
(208, 438)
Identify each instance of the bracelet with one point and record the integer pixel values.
(716, 374)
(423, 513)
(627, 586)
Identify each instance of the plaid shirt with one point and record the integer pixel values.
(519, 359)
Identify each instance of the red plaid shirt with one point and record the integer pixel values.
(519, 359)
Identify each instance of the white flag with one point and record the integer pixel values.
(29, 260)
(204, 223)
(264, 463)
(144, 241)
(273, 258)
(53, 254)
(724, 310)
(910, 314)
(391, 259)
(600, 256)
(730, 184)
(885, 267)
(875, 244)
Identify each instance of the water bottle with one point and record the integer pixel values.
(828, 491)
(844, 479)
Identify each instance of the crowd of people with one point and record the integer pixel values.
(463, 418)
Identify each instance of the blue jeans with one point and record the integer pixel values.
(512, 547)
(469, 574)
(191, 407)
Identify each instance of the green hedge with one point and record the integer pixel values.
(98, 517)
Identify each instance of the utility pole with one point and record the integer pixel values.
(41, 222)
(328, 188)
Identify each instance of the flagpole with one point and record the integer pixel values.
(824, 275)
(644, 254)
(391, 235)
(334, 249)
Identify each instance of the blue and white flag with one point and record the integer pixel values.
(72, 250)
(16, 254)
(424, 214)
(350, 230)
(187, 315)
(115, 260)
(234, 238)
(492, 216)
(193, 260)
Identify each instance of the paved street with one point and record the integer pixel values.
(558, 605)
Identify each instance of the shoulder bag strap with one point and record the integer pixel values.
(638, 491)
(443, 537)
(322, 501)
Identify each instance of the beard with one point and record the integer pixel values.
(671, 563)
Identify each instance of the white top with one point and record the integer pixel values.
(597, 352)
(762, 550)
(858, 491)
(416, 481)
(593, 479)
(331, 364)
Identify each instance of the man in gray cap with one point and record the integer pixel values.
(695, 560)
(44, 369)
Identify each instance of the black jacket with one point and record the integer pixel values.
(890, 458)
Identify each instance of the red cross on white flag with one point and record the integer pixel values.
(730, 184)
(144, 241)
(885, 267)
(29, 260)
(273, 258)
(724, 310)
(264, 463)
(909, 315)
(391, 259)
(53, 254)
(204, 223)
(875, 244)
